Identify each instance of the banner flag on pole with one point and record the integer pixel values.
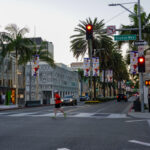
(86, 67)
(95, 61)
(35, 66)
(109, 75)
(133, 62)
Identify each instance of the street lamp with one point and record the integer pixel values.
(140, 39)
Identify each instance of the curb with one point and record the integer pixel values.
(24, 107)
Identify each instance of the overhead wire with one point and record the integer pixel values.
(117, 15)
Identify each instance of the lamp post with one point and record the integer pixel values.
(140, 39)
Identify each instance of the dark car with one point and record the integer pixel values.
(84, 98)
(69, 100)
(122, 97)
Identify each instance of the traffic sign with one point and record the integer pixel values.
(141, 50)
(125, 37)
(139, 43)
(111, 30)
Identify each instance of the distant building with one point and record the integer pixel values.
(51, 79)
(60, 78)
(76, 65)
(83, 85)
(49, 45)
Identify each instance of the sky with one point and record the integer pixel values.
(55, 20)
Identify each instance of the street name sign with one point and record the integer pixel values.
(125, 37)
(140, 43)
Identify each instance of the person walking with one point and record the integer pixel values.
(58, 104)
(3, 98)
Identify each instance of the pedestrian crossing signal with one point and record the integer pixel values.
(147, 82)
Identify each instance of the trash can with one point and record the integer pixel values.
(149, 104)
(137, 105)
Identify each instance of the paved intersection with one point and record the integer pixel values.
(77, 115)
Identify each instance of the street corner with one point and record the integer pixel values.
(145, 115)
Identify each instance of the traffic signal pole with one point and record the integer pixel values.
(91, 65)
(140, 73)
(89, 37)
(140, 39)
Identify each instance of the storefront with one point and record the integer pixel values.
(9, 95)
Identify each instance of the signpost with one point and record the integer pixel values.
(125, 37)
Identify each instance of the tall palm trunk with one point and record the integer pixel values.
(16, 77)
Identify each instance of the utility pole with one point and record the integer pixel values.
(91, 66)
(89, 37)
(140, 39)
(140, 73)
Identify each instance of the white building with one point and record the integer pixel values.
(59, 78)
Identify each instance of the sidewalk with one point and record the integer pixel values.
(8, 107)
(145, 115)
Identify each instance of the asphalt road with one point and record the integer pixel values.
(103, 126)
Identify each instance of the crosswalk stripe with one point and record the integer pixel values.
(117, 116)
(75, 115)
(20, 114)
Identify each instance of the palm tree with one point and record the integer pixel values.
(23, 49)
(145, 23)
(17, 46)
(79, 44)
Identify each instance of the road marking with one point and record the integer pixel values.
(74, 115)
(63, 149)
(139, 142)
(84, 115)
(3, 113)
(117, 116)
(134, 120)
(20, 114)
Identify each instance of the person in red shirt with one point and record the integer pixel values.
(58, 104)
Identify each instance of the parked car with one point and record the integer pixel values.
(69, 100)
(84, 98)
(122, 97)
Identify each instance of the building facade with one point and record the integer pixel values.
(50, 79)
(83, 85)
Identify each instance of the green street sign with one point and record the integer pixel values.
(129, 37)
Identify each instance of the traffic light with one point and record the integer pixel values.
(141, 64)
(89, 31)
(147, 82)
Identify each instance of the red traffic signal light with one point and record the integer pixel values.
(141, 59)
(89, 31)
(141, 64)
(147, 82)
(89, 27)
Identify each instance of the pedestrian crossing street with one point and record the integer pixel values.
(69, 115)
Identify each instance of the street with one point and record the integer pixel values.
(104, 126)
